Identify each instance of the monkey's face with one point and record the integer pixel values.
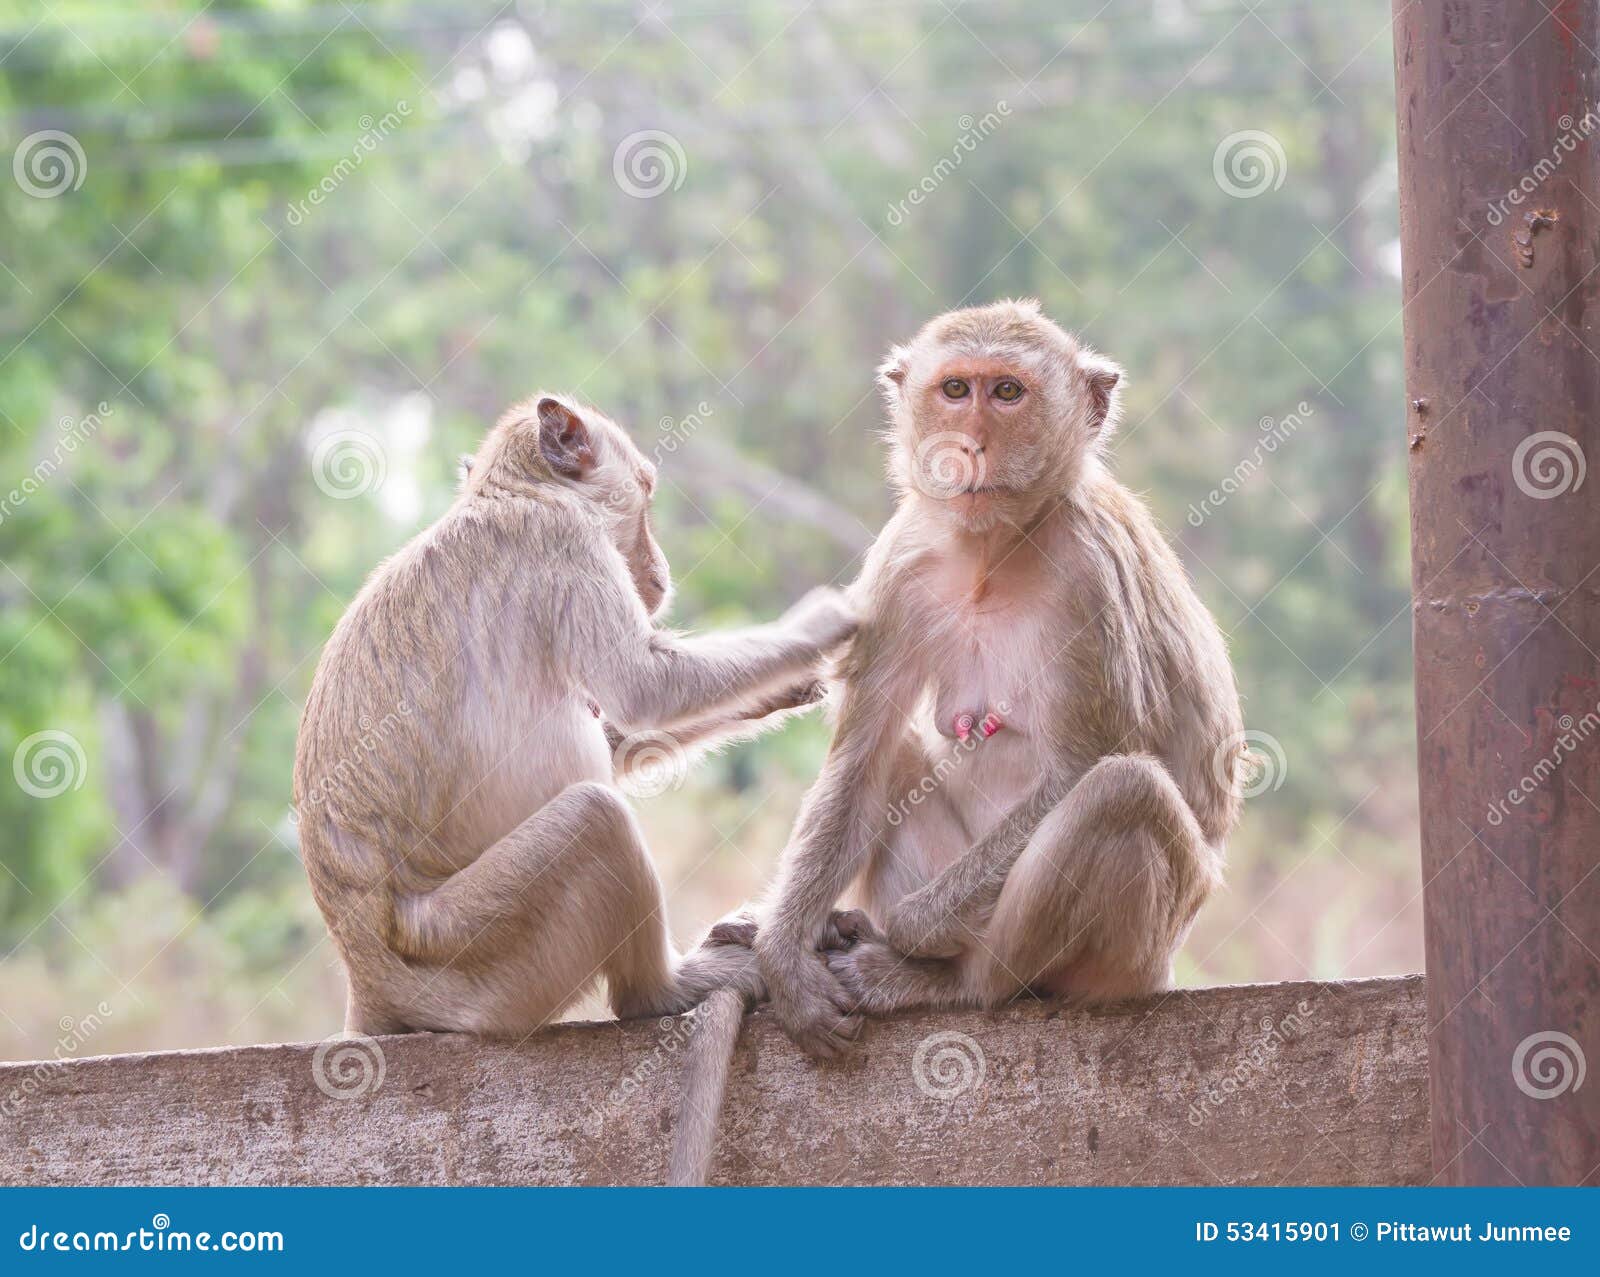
(972, 437)
(586, 451)
(995, 411)
(623, 483)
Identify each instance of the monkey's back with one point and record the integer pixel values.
(407, 763)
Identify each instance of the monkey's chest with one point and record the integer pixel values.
(983, 723)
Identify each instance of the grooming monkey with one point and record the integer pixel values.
(1031, 643)
(459, 823)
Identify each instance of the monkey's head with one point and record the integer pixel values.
(553, 439)
(995, 411)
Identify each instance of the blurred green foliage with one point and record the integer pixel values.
(188, 313)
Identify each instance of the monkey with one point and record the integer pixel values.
(1032, 774)
(455, 772)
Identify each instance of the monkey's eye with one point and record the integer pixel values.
(954, 388)
(1008, 390)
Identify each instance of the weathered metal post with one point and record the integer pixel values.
(1500, 232)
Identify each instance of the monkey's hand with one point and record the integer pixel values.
(822, 619)
(815, 1010)
(923, 926)
(845, 928)
(798, 696)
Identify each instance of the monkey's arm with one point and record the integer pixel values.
(937, 920)
(647, 679)
(703, 735)
(842, 817)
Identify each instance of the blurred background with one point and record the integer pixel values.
(267, 268)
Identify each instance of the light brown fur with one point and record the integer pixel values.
(476, 865)
(1069, 851)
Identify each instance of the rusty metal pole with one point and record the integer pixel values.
(1500, 231)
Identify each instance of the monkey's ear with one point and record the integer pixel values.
(464, 463)
(564, 440)
(1103, 377)
(892, 372)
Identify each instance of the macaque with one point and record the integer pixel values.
(1033, 771)
(454, 781)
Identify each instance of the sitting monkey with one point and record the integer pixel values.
(476, 865)
(1033, 770)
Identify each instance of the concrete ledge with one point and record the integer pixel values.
(1254, 1084)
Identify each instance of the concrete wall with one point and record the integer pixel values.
(1255, 1084)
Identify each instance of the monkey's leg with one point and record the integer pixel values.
(1095, 907)
(1105, 893)
(566, 897)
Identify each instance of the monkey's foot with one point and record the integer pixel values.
(736, 929)
(847, 927)
(880, 980)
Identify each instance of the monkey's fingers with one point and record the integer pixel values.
(847, 927)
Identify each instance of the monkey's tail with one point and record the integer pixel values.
(707, 1060)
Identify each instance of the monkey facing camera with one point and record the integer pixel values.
(1031, 642)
